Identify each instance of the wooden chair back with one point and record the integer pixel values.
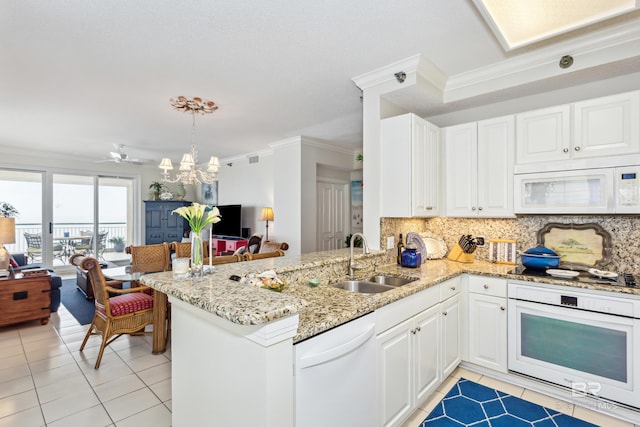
(183, 249)
(249, 257)
(98, 282)
(223, 259)
(150, 258)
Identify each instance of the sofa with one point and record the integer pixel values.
(55, 280)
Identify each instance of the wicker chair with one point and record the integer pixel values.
(149, 258)
(183, 249)
(249, 257)
(85, 245)
(127, 313)
(223, 259)
(34, 246)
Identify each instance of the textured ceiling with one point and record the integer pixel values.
(78, 76)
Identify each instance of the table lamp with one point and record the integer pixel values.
(7, 235)
(266, 215)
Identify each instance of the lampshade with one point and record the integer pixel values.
(266, 214)
(7, 230)
(166, 164)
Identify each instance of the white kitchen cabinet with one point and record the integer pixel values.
(408, 365)
(487, 322)
(607, 126)
(479, 168)
(450, 335)
(410, 167)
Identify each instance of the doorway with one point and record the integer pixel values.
(332, 213)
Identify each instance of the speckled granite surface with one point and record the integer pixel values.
(323, 307)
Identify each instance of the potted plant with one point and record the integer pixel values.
(155, 189)
(118, 243)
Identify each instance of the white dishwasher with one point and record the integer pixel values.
(335, 376)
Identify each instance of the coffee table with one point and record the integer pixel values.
(159, 337)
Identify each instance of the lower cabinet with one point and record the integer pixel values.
(408, 365)
(488, 322)
(450, 335)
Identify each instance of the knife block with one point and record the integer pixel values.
(457, 254)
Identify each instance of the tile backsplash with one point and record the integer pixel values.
(624, 230)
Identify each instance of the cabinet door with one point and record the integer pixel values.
(607, 126)
(495, 167)
(543, 135)
(395, 373)
(154, 232)
(174, 224)
(461, 170)
(450, 335)
(395, 166)
(488, 331)
(426, 369)
(426, 168)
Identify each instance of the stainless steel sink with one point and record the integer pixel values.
(389, 280)
(362, 287)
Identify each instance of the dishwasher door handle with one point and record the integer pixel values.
(334, 353)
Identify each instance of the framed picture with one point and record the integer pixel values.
(210, 194)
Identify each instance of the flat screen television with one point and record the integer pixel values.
(231, 223)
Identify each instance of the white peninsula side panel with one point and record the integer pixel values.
(228, 374)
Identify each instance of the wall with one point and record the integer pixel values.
(250, 185)
(624, 230)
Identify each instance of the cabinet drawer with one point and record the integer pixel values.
(449, 288)
(399, 311)
(488, 286)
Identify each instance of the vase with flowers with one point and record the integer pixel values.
(198, 218)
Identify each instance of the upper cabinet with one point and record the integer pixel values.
(410, 167)
(479, 168)
(608, 126)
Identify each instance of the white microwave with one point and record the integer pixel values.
(586, 191)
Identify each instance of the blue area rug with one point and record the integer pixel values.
(471, 404)
(75, 302)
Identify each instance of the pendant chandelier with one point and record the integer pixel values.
(189, 173)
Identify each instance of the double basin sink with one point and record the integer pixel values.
(373, 285)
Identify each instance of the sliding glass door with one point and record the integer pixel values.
(23, 190)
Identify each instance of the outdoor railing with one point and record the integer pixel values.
(74, 229)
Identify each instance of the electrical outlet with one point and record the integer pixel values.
(480, 241)
(391, 242)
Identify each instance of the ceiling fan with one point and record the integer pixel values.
(120, 157)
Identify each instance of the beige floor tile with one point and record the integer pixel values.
(52, 363)
(447, 384)
(45, 353)
(145, 362)
(169, 404)
(14, 372)
(10, 350)
(76, 384)
(467, 374)
(107, 372)
(130, 404)
(55, 375)
(502, 386)
(162, 389)
(432, 401)
(96, 416)
(18, 403)
(68, 404)
(598, 418)
(548, 401)
(30, 417)
(118, 386)
(156, 374)
(157, 416)
(19, 385)
(415, 419)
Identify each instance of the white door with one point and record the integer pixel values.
(450, 334)
(495, 167)
(462, 170)
(332, 214)
(543, 135)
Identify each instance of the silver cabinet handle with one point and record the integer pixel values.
(418, 328)
(413, 331)
(480, 208)
(566, 150)
(444, 313)
(577, 148)
(502, 308)
(429, 208)
(453, 288)
(486, 286)
(473, 208)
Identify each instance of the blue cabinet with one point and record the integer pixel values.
(160, 224)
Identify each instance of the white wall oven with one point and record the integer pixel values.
(588, 341)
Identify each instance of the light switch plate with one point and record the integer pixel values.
(391, 242)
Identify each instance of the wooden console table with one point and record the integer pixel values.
(25, 298)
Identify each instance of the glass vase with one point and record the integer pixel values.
(197, 257)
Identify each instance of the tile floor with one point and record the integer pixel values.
(46, 381)
(584, 414)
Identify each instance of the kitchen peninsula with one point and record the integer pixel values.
(233, 344)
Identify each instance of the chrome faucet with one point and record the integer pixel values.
(365, 250)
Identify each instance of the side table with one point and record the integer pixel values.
(25, 298)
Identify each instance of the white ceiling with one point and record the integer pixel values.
(77, 76)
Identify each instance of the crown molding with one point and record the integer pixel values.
(416, 65)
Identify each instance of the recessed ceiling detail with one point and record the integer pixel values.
(523, 22)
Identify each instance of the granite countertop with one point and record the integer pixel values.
(323, 307)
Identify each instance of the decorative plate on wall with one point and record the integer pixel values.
(579, 245)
